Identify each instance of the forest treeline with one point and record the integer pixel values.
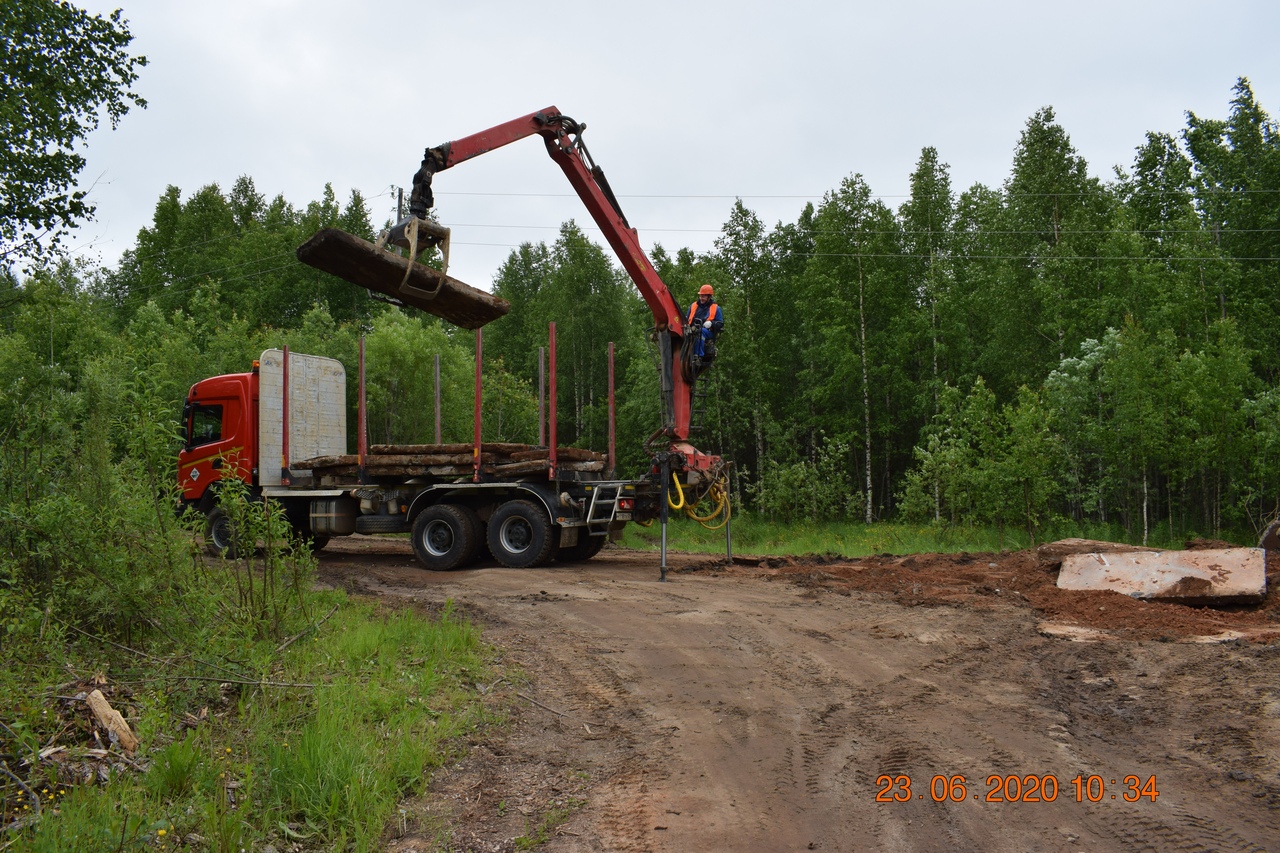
(1057, 349)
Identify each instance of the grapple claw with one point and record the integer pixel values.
(417, 235)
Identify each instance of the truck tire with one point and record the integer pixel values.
(370, 525)
(219, 537)
(520, 535)
(314, 542)
(482, 539)
(444, 538)
(584, 549)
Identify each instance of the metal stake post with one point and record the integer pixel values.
(728, 516)
(362, 425)
(475, 448)
(437, 398)
(613, 421)
(663, 513)
(554, 405)
(542, 396)
(285, 478)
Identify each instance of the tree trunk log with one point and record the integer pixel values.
(112, 721)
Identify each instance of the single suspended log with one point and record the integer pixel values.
(407, 282)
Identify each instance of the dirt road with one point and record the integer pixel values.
(769, 707)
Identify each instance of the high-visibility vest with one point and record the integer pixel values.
(711, 315)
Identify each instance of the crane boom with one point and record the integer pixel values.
(563, 138)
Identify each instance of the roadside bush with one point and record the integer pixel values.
(89, 535)
(270, 571)
(985, 464)
(817, 489)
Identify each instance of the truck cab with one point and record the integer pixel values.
(220, 435)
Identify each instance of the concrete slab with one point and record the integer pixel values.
(1228, 573)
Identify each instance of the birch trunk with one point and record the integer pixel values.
(866, 385)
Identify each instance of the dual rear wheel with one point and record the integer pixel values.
(446, 537)
(520, 535)
(451, 536)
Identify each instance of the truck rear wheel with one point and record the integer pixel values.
(445, 537)
(520, 535)
(482, 543)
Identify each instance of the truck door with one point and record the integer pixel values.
(215, 445)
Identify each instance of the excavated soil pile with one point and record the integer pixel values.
(1021, 577)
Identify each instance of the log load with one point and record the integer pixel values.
(499, 459)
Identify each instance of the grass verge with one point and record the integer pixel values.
(314, 752)
(753, 534)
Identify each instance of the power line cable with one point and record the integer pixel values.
(905, 232)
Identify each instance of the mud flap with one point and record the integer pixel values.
(360, 262)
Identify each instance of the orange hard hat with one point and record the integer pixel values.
(706, 290)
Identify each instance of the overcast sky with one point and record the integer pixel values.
(688, 104)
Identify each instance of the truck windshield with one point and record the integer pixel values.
(205, 425)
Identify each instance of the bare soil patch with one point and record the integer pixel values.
(764, 704)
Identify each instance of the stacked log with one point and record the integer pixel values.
(497, 459)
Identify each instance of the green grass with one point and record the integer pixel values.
(381, 698)
(398, 693)
(756, 535)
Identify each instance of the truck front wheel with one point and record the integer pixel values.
(520, 535)
(219, 536)
(314, 542)
(444, 538)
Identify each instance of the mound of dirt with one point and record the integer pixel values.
(1026, 578)
(1200, 544)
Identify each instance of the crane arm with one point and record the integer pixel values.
(563, 138)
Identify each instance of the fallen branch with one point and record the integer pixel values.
(164, 661)
(112, 720)
(114, 643)
(287, 643)
(174, 639)
(560, 713)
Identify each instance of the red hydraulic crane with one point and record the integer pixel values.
(563, 138)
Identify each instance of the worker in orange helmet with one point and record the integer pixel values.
(706, 319)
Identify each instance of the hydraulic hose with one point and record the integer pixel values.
(717, 499)
(724, 509)
(679, 491)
